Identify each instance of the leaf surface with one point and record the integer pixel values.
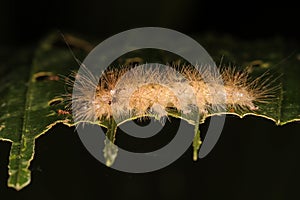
(31, 90)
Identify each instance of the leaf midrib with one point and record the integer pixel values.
(28, 103)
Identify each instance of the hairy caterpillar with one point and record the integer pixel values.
(147, 90)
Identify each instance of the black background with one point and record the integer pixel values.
(26, 21)
(254, 159)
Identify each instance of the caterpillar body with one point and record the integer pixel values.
(144, 90)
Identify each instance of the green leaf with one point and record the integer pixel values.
(29, 105)
(30, 91)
